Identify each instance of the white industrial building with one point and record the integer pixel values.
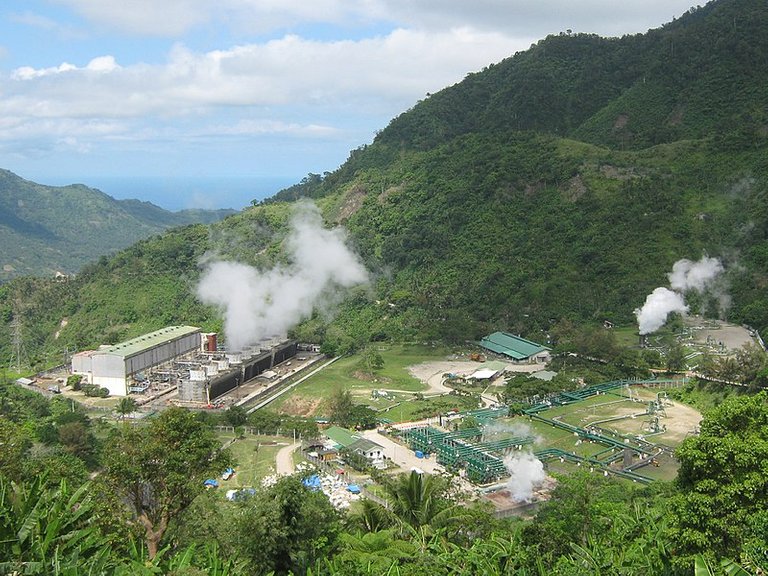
(114, 367)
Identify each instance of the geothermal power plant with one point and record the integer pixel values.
(181, 358)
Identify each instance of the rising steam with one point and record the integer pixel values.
(260, 303)
(526, 475)
(686, 275)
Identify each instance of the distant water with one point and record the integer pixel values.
(177, 193)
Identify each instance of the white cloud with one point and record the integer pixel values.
(256, 71)
(173, 18)
(287, 71)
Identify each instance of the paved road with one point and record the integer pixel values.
(401, 455)
(284, 459)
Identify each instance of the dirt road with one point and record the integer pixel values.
(431, 373)
(284, 459)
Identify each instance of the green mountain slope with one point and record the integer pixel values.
(561, 183)
(46, 229)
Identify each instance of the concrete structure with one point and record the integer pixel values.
(210, 376)
(113, 367)
(517, 348)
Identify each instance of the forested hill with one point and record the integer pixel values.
(700, 75)
(566, 180)
(561, 183)
(47, 229)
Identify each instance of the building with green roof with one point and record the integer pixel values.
(343, 439)
(112, 366)
(517, 348)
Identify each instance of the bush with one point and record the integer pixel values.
(75, 381)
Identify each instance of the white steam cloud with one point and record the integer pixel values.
(526, 475)
(658, 305)
(258, 304)
(686, 275)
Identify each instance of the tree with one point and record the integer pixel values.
(371, 359)
(722, 479)
(751, 359)
(77, 439)
(418, 499)
(158, 469)
(236, 416)
(341, 406)
(675, 358)
(126, 405)
(46, 530)
(287, 527)
(74, 381)
(15, 445)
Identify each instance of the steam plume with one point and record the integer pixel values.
(258, 304)
(658, 305)
(686, 275)
(527, 474)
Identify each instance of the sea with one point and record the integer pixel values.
(178, 193)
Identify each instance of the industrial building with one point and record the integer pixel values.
(119, 367)
(211, 375)
(180, 358)
(516, 348)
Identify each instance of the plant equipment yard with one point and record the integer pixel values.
(623, 428)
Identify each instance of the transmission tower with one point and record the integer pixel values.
(19, 354)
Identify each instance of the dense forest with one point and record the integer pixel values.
(543, 196)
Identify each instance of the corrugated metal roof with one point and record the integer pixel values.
(341, 436)
(147, 341)
(364, 445)
(511, 345)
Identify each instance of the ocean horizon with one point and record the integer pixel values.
(182, 192)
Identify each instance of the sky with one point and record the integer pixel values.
(214, 103)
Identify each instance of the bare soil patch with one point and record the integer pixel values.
(431, 373)
(301, 406)
(714, 332)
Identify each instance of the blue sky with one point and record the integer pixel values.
(143, 97)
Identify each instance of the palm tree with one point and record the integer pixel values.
(418, 499)
(126, 406)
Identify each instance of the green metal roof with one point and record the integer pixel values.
(147, 341)
(495, 365)
(341, 436)
(363, 445)
(511, 345)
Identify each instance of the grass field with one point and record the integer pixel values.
(255, 458)
(308, 398)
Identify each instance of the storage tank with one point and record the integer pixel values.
(197, 375)
(223, 364)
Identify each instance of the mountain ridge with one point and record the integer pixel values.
(50, 229)
(470, 225)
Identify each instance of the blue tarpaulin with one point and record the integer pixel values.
(312, 482)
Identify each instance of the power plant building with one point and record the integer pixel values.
(114, 366)
(207, 381)
(516, 348)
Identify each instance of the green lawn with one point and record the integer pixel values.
(254, 457)
(347, 373)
